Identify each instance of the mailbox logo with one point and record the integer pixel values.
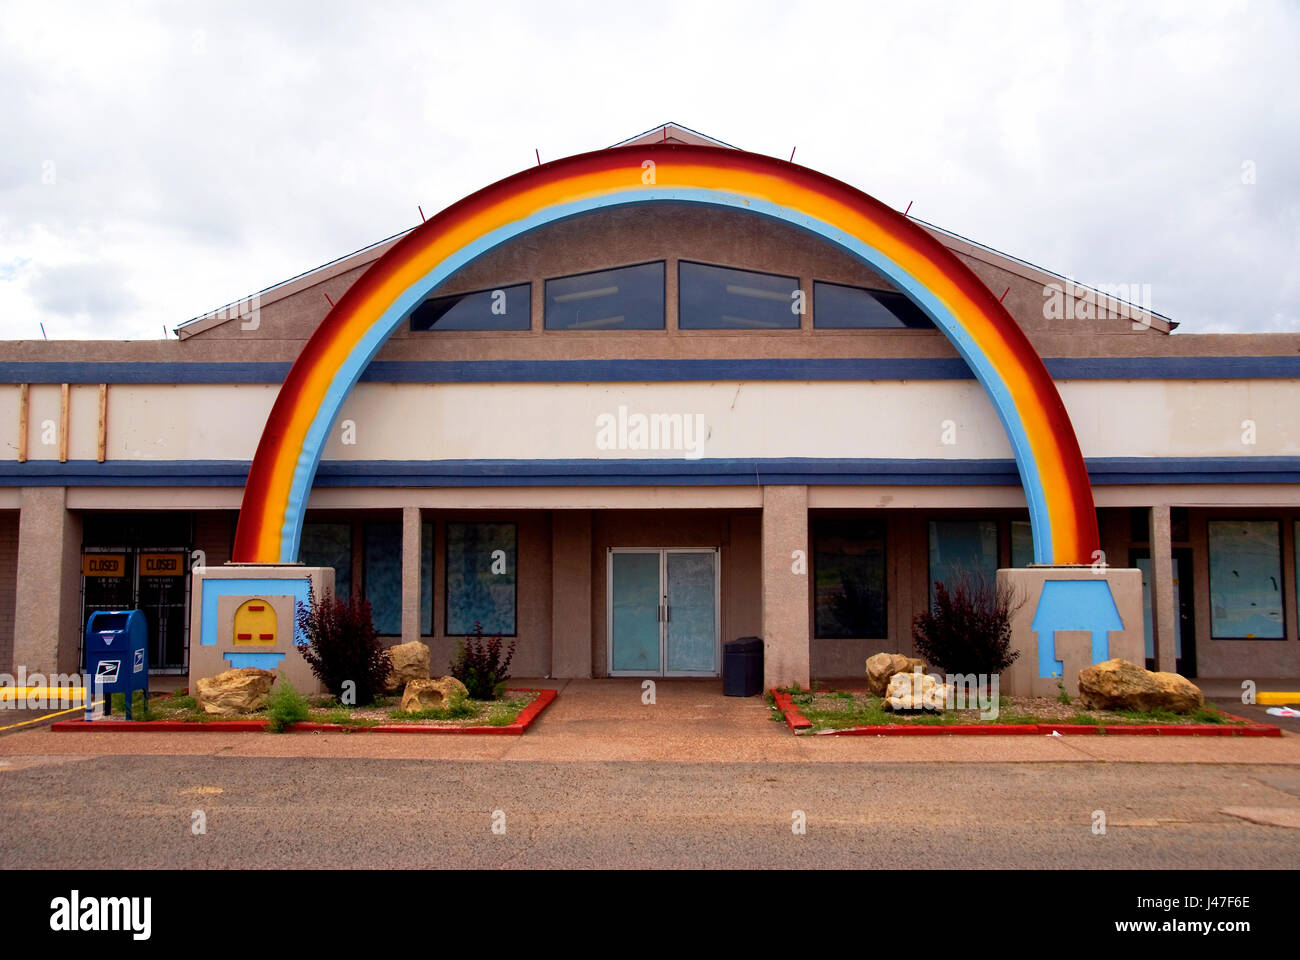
(139, 661)
(108, 670)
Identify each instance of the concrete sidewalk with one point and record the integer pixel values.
(689, 722)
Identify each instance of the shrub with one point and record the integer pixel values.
(342, 646)
(479, 666)
(968, 630)
(287, 706)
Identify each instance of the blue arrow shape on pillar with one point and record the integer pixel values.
(1074, 605)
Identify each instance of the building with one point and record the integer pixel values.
(635, 430)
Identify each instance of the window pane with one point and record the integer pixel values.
(383, 575)
(1245, 579)
(720, 298)
(329, 545)
(426, 579)
(962, 547)
(849, 573)
(1022, 543)
(837, 307)
(505, 308)
(481, 578)
(628, 298)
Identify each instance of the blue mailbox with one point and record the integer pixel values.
(117, 657)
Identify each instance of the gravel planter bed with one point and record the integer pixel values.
(510, 715)
(858, 712)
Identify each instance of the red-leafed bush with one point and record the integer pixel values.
(342, 647)
(479, 666)
(968, 630)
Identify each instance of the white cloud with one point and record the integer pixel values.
(201, 152)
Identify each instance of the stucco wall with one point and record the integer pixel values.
(8, 583)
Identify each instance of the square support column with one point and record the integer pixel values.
(47, 598)
(787, 569)
(571, 593)
(1162, 589)
(410, 574)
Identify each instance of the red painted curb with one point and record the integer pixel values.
(522, 722)
(797, 722)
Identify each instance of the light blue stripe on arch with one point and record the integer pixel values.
(215, 588)
(366, 348)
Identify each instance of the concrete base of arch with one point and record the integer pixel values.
(218, 597)
(1068, 618)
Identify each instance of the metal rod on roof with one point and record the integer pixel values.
(792, 150)
(909, 207)
(43, 334)
(539, 156)
(421, 209)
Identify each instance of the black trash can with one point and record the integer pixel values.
(742, 667)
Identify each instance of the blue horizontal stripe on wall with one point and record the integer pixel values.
(647, 472)
(661, 371)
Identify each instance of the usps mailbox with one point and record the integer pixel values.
(117, 659)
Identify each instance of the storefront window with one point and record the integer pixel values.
(1245, 580)
(722, 298)
(503, 308)
(1022, 543)
(383, 575)
(837, 307)
(426, 579)
(963, 548)
(849, 573)
(481, 578)
(329, 545)
(627, 298)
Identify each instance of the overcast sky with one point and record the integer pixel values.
(160, 160)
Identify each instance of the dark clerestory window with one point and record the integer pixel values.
(625, 298)
(502, 308)
(723, 298)
(838, 307)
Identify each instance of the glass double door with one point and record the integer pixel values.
(662, 612)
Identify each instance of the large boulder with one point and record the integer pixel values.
(423, 694)
(882, 667)
(410, 662)
(1120, 685)
(235, 691)
(916, 691)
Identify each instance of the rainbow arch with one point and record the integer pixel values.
(1047, 453)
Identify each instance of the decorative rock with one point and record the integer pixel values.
(916, 691)
(235, 691)
(410, 662)
(882, 667)
(1120, 685)
(423, 694)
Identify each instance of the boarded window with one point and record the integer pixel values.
(1245, 580)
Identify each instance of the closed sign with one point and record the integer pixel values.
(103, 565)
(162, 564)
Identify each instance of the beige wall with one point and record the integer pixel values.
(928, 419)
